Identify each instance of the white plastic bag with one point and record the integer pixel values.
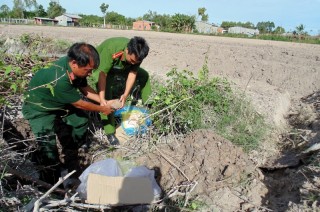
(142, 171)
(108, 167)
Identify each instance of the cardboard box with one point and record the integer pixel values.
(118, 190)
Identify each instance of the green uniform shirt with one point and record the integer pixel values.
(51, 89)
(109, 49)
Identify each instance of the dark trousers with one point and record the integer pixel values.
(71, 130)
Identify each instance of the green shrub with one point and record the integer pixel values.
(185, 103)
(16, 69)
(182, 100)
(297, 39)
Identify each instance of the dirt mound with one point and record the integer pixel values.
(202, 160)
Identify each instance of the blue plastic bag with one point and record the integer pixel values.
(134, 120)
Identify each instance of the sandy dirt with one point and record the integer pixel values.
(273, 74)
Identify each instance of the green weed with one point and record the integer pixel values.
(179, 204)
(196, 205)
(241, 124)
(26, 199)
(275, 37)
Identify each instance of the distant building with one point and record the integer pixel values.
(45, 21)
(207, 28)
(143, 25)
(289, 34)
(68, 20)
(243, 30)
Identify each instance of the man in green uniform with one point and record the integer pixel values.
(53, 98)
(120, 73)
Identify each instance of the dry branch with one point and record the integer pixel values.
(24, 176)
(2, 125)
(61, 180)
(169, 161)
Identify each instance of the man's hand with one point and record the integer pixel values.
(123, 99)
(107, 110)
(103, 102)
(84, 105)
(115, 104)
(129, 84)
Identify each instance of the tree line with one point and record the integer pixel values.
(168, 23)
(31, 9)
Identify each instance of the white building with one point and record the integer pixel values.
(206, 28)
(243, 30)
(68, 20)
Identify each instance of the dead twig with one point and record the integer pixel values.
(30, 178)
(248, 83)
(72, 203)
(1, 189)
(234, 192)
(176, 191)
(160, 111)
(2, 127)
(169, 161)
(52, 204)
(88, 206)
(2, 175)
(313, 148)
(61, 180)
(188, 193)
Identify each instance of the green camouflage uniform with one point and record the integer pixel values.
(113, 63)
(48, 104)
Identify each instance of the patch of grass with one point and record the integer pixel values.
(241, 124)
(296, 39)
(275, 37)
(196, 205)
(179, 204)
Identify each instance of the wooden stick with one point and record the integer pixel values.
(188, 193)
(61, 180)
(160, 111)
(74, 204)
(169, 161)
(2, 126)
(24, 176)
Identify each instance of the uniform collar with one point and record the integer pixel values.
(124, 56)
(69, 73)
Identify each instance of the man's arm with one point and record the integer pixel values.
(102, 87)
(129, 84)
(90, 93)
(84, 105)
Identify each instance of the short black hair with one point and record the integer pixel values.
(82, 53)
(139, 47)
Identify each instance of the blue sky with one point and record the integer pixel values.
(285, 13)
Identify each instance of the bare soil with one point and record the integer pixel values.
(212, 163)
(279, 77)
(271, 72)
